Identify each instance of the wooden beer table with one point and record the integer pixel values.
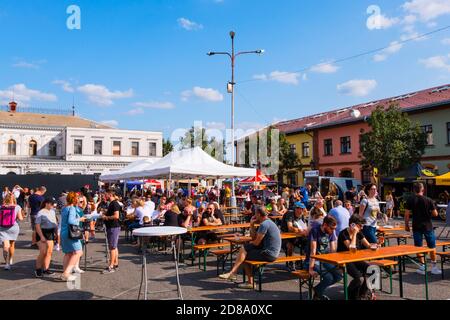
(341, 259)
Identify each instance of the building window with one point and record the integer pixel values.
(293, 148)
(328, 173)
(32, 148)
(98, 147)
(346, 173)
(52, 149)
(134, 148)
(448, 132)
(78, 146)
(152, 149)
(428, 130)
(11, 147)
(116, 148)
(305, 150)
(292, 178)
(346, 146)
(328, 147)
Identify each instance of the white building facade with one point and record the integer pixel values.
(36, 143)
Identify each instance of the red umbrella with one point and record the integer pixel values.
(260, 177)
(153, 182)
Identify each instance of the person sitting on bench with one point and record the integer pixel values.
(265, 246)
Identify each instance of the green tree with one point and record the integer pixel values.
(167, 147)
(197, 136)
(394, 142)
(287, 160)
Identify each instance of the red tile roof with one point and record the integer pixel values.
(406, 102)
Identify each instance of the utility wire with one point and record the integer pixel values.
(393, 44)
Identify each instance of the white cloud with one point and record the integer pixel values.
(409, 19)
(446, 41)
(155, 105)
(215, 125)
(189, 25)
(437, 62)
(101, 95)
(23, 95)
(134, 112)
(111, 123)
(21, 63)
(280, 76)
(427, 9)
(325, 67)
(65, 85)
(380, 21)
(206, 94)
(357, 88)
(394, 47)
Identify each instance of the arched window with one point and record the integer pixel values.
(12, 147)
(328, 173)
(52, 149)
(32, 148)
(346, 173)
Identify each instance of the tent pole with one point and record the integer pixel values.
(169, 187)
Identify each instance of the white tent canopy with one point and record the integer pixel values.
(190, 164)
(129, 172)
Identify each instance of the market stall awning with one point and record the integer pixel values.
(443, 180)
(413, 173)
(190, 164)
(258, 178)
(127, 173)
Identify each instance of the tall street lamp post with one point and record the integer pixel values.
(230, 89)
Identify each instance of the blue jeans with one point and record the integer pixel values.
(370, 233)
(329, 275)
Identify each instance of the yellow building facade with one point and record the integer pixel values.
(302, 144)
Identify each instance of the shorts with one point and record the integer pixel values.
(430, 238)
(112, 234)
(49, 234)
(33, 222)
(257, 254)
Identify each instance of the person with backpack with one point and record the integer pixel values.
(10, 213)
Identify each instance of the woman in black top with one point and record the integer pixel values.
(352, 237)
(171, 218)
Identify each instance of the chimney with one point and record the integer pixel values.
(12, 106)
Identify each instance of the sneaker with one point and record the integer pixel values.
(38, 273)
(108, 270)
(69, 278)
(324, 297)
(421, 270)
(436, 270)
(7, 266)
(228, 276)
(247, 286)
(291, 266)
(57, 247)
(116, 267)
(77, 270)
(48, 272)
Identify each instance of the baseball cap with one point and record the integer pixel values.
(299, 204)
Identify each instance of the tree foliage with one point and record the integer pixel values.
(198, 137)
(167, 147)
(394, 142)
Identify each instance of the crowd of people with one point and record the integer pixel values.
(324, 224)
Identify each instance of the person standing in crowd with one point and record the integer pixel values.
(341, 215)
(5, 192)
(46, 232)
(389, 205)
(35, 200)
(422, 209)
(265, 246)
(322, 239)
(369, 209)
(111, 221)
(348, 205)
(352, 237)
(10, 213)
(71, 247)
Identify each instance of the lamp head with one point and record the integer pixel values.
(210, 53)
(232, 34)
(261, 51)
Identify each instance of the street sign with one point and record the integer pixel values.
(311, 174)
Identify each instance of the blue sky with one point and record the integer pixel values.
(143, 65)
